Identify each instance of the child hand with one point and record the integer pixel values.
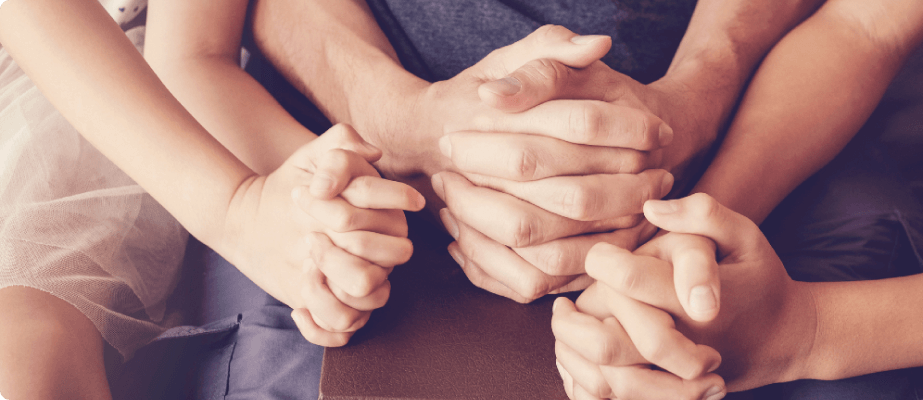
(322, 233)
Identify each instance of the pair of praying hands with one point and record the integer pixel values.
(551, 153)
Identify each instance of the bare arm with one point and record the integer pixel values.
(810, 96)
(85, 65)
(198, 59)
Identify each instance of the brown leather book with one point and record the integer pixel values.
(440, 337)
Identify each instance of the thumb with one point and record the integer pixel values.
(544, 66)
(700, 214)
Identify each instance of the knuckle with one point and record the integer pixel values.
(633, 162)
(533, 291)
(603, 352)
(343, 220)
(579, 202)
(363, 186)
(628, 280)
(654, 349)
(523, 164)
(364, 285)
(550, 33)
(522, 232)
(704, 205)
(551, 258)
(599, 388)
(644, 136)
(583, 124)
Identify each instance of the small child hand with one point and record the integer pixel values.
(322, 233)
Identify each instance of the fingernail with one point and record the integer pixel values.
(449, 222)
(507, 86)
(438, 186)
(662, 207)
(715, 393)
(554, 306)
(702, 299)
(297, 192)
(457, 257)
(666, 135)
(445, 146)
(322, 183)
(584, 39)
(666, 185)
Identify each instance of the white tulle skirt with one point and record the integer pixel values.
(74, 225)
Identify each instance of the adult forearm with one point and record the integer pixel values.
(723, 44)
(88, 69)
(810, 96)
(865, 327)
(335, 53)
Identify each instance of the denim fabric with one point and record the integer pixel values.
(252, 355)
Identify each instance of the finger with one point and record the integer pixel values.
(335, 169)
(379, 193)
(340, 216)
(501, 264)
(373, 301)
(695, 274)
(566, 379)
(520, 157)
(382, 250)
(506, 219)
(587, 197)
(644, 383)
(700, 214)
(355, 276)
(646, 279)
(538, 81)
(567, 256)
(583, 394)
(551, 42)
(481, 279)
(596, 341)
(587, 122)
(328, 312)
(340, 136)
(654, 334)
(584, 373)
(314, 334)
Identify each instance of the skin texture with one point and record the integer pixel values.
(282, 227)
(572, 125)
(782, 330)
(48, 349)
(350, 226)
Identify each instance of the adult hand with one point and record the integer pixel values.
(495, 216)
(322, 233)
(767, 322)
(592, 105)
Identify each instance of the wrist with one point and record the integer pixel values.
(804, 344)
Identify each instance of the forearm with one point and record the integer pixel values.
(199, 62)
(88, 69)
(810, 96)
(723, 44)
(335, 53)
(865, 327)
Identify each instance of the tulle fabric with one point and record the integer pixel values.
(74, 225)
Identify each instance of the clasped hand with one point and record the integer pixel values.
(322, 233)
(708, 303)
(559, 153)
